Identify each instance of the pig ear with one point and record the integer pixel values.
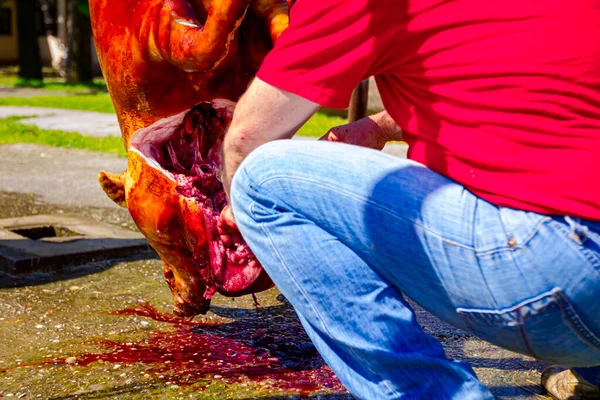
(190, 44)
(114, 186)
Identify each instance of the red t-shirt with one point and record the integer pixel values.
(500, 96)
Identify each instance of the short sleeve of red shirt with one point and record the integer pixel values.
(329, 47)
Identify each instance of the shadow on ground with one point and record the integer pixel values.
(58, 314)
(45, 276)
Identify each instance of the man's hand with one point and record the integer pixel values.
(373, 131)
(264, 113)
(226, 226)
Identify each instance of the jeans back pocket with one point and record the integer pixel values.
(546, 327)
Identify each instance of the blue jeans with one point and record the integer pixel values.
(344, 232)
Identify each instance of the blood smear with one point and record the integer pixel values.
(190, 353)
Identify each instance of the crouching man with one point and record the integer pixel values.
(493, 224)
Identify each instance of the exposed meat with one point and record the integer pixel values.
(161, 58)
(180, 164)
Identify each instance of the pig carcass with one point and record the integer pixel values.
(174, 69)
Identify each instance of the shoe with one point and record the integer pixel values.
(565, 384)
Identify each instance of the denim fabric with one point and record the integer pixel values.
(592, 375)
(345, 231)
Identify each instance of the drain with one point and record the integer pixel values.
(52, 241)
(44, 232)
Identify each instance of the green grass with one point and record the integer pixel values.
(319, 124)
(78, 97)
(13, 131)
(99, 102)
(54, 84)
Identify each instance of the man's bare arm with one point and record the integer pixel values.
(264, 113)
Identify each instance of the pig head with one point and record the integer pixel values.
(165, 63)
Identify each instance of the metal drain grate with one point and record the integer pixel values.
(52, 241)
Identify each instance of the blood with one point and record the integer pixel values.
(149, 311)
(217, 259)
(192, 155)
(233, 352)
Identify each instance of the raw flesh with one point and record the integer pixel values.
(184, 152)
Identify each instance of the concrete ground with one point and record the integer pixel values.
(55, 173)
(64, 334)
(101, 124)
(63, 316)
(85, 122)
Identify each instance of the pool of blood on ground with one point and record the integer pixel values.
(256, 349)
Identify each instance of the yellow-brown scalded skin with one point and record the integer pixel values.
(159, 58)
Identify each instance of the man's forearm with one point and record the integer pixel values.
(264, 113)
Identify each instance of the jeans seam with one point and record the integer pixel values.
(575, 321)
(321, 319)
(570, 318)
(385, 209)
(503, 311)
(517, 246)
(593, 260)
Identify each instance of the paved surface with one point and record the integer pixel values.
(11, 91)
(37, 242)
(61, 314)
(64, 313)
(101, 124)
(85, 122)
(57, 175)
